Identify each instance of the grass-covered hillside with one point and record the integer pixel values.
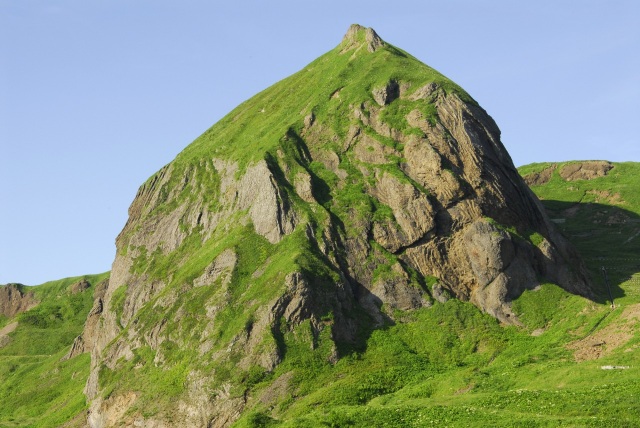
(599, 215)
(453, 366)
(37, 387)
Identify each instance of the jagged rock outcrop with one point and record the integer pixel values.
(312, 214)
(541, 177)
(572, 171)
(85, 342)
(14, 300)
(586, 170)
(353, 40)
(79, 287)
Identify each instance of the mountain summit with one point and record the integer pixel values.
(362, 188)
(357, 36)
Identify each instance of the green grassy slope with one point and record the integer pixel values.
(451, 365)
(601, 217)
(447, 365)
(325, 87)
(37, 389)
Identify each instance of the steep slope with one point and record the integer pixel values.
(327, 206)
(38, 385)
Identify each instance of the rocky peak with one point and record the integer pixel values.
(315, 212)
(358, 36)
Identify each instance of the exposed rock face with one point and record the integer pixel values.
(539, 178)
(79, 287)
(323, 236)
(585, 170)
(221, 268)
(85, 342)
(387, 93)
(268, 208)
(353, 39)
(14, 300)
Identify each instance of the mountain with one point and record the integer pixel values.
(327, 207)
(447, 364)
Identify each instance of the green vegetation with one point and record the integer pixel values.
(327, 87)
(266, 127)
(37, 388)
(452, 365)
(601, 217)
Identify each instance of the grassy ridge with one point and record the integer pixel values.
(37, 389)
(327, 87)
(601, 217)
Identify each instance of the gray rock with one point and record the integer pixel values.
(440, 293)
(221, 268)
(358, 37)
(387, 94)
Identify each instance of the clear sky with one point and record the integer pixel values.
(95, 96)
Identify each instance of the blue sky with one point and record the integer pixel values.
(97, 96)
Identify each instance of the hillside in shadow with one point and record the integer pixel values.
(607, 237)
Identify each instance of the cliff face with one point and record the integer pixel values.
(364, 185)
(14, 300)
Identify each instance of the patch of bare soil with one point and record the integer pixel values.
(277, 390)
(539, 178)
(587, 170)
(606, 196)
(9, 328)
(537, 332)
(611, 337)
(465, 389)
